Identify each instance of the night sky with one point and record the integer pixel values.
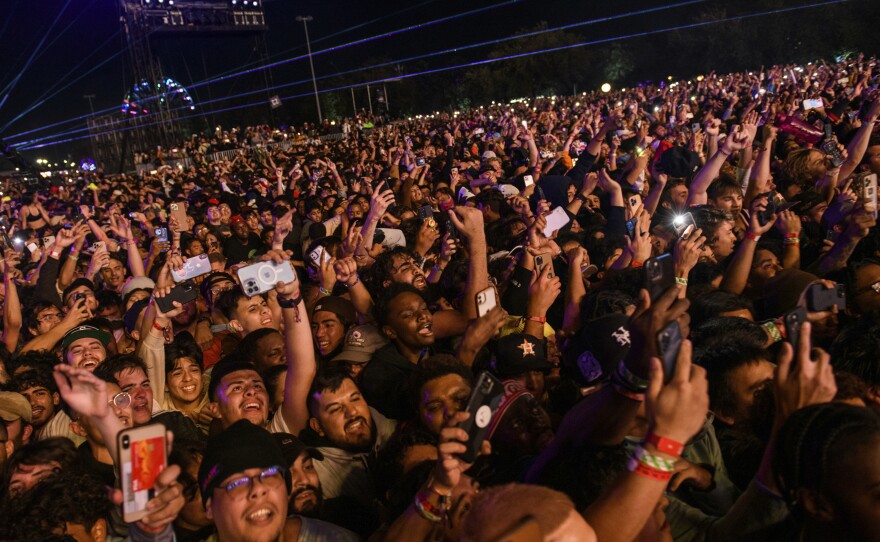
(89, 33)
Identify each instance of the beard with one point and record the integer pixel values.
(308, 508)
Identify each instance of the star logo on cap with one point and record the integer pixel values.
(527, 348)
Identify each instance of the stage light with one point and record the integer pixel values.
(606, 87)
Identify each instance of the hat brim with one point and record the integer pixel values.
(354, 355)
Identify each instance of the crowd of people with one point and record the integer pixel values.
(643, 314)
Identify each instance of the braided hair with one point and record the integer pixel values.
(813, 441)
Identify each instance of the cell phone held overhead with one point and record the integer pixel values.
(142, 457)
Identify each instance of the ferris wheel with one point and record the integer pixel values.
(144, 98)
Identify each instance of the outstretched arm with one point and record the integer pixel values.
(301, 363)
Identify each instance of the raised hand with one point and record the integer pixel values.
(803, 376)
(82, 391)
(677, 410)
(687, 251)
(468, 221)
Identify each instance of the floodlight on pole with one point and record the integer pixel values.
(305, 21)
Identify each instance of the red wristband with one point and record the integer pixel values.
(539, 319)
(648, 472)
(752, 236)
(665, 445)
(157, 326)
(636, 264)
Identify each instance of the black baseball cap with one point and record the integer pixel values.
(292, 447)
(241, 446)
(594, 352)
(518, 353)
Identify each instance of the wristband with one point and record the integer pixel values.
(792, 242)
(581, 197)
(792, 236)
(539, 319)
(428, 510)
(681, 280)
(636, 264)
(325, 291)
(356, 280)
(752, 236)
(665, 445)
(650, 460)
(285, 303)
(772, 331)
(55, 254)
(641, 469)
(158, 327)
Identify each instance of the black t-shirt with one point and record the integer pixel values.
(237, 251)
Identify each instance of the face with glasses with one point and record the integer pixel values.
(120, 404)
(250, 505)
(46, 319)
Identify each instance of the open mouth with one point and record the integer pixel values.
(260, 516)
(266, 322)
(426, 330)
(36, 412)
(358, 424)
(188, 389)
(419, 282)
(252, 406)
(89, 363)
(323, 345)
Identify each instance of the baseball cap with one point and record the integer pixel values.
(518, 353)
(241, 446)
(84, 332)
(235, 220)
(360, 344)
(213, 278)
(338, 306)
(594, 352)
(137, 283)
(489, 154)
(14, 406)
(292, 447)
(513, 391)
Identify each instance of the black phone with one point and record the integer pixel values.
(449, 227)
(660, 274)
(668, 344)
(830, 148)
(183, 293)
(482, 406)
(426, 212)
(793, 320)
(820, 298)
(765, 215)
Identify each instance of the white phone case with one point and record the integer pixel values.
(555, 221)
(193, 267)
